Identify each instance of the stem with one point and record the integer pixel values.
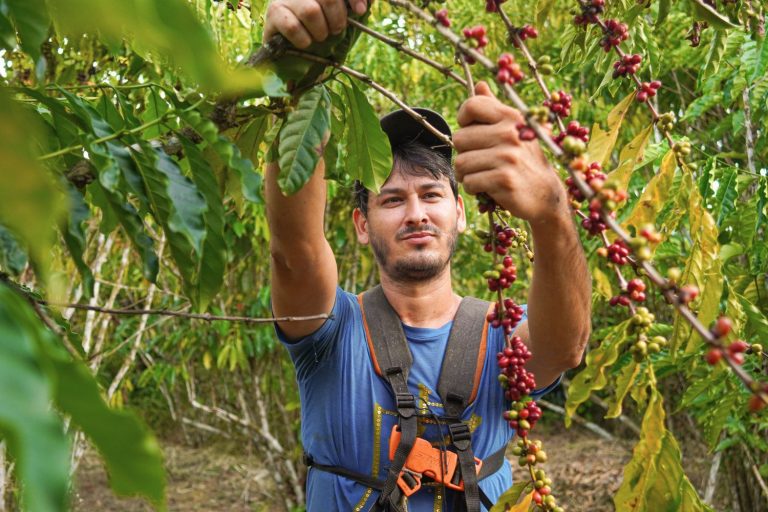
(520, 44)
(399, 46)
(181, 314)
(380, 88)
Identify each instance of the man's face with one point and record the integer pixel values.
(412, 226)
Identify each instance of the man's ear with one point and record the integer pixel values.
(361, 226)
(461, 222)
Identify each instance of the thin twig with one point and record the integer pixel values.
(196, 316)
(399, 46)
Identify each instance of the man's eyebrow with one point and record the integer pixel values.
(424, 186)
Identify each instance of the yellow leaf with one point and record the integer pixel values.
(629, 157)
(523, 505)
(602, 283)
(601, 142)
(655, 195)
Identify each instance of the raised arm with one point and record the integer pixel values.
(304, 274)
(517, 175)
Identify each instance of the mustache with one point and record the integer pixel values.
(420, 229)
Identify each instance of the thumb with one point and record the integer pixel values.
(483, 89)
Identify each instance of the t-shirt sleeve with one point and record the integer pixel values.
(310, 352)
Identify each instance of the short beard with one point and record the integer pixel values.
(415, 268)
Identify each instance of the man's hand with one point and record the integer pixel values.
(304, 22)
(492, 159)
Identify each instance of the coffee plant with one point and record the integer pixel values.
(133, 261)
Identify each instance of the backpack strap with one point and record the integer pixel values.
(459, 380)
(392, 360)
(465, 354)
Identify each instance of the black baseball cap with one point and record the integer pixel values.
(402, 128)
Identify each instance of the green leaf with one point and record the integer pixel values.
(31, 20)
(511, 495)
(705, 12)
(33, 432)
(369, 152)
(757, 323)
(30, 203)
(602, 141)
(302, 137)
(109, 187)
(663, 12)
(156, 107)
(132, 455)
(228, 151)
(12, 256)
(210, 270)
(74, 237)
(592, 377)
(543, 8)
(7, 32)
(169, 29)
(654, 479)
(178, 206)
(727, 193)
(716, 53)
(176, 201)
(761, 65)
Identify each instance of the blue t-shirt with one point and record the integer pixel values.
(348, 410)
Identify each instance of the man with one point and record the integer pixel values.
(348, 410)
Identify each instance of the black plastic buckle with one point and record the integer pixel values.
(460, 435)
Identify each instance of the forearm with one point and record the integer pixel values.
(559, 300)
(295, 221)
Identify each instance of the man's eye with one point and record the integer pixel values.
(391, 200)
(432, 195)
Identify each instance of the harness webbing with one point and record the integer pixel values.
(459, 379)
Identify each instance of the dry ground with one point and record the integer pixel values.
(586, 470)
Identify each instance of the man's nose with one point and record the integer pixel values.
(415, 213)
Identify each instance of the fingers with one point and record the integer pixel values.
(473, 162)
(303, 22)
(311, 15)
(484, 182)
(482, 136)
(335, 15)
(281, 19)
(478, 109)
(483, 89)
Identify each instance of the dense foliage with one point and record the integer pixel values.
(131, 159)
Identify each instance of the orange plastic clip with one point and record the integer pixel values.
(426, 460)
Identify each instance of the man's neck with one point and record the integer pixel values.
(423, 304)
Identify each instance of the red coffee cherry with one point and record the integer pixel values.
(559, 103)
(714, 355)
(442, 17)
(627, 65)
(615, 33)
(647, 90)
(722, 327)
(509, 71)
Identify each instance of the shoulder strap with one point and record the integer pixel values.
(384, 331)
(464, 356)
(390, 353)
(459, 379)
